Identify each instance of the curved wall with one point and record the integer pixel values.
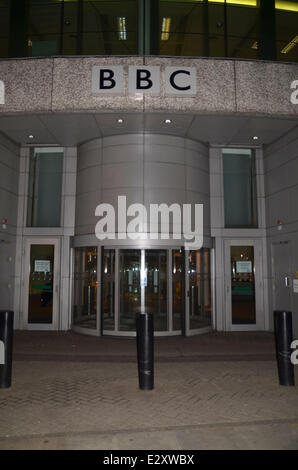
(147, 169)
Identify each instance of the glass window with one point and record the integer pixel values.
(4, 27)
(240, 193)
(286, 30)
(109, 27)
(243, 285)
(243, 31)
(40, 307)
(156, 288)
(45, 185)
(44, 23)
(130, 289)
(85, 287)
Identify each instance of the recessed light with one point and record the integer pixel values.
(120, 120)
(168, 121)
(30, 136)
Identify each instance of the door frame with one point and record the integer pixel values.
(259, 284)
(56, 270)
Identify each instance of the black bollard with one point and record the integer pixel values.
(283, 339)
(6, 335)
(145, 330)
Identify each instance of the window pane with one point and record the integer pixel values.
(40, 308)
(130, 291)
(156, 289)
(240, 196)
(243, 285)
(85, 287)
(44, 28)
(45, 184)
(4, 27)
(243, 31)
(109, 27)
(287, 32)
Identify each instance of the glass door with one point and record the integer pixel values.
(243, 277)
(41, 284)
(130, 289)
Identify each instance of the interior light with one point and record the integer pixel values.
(120, 120)
(30, 136)
(121, 28)
(165, 29)
(255, 45)
(255, 137)
(279, 4)
(168, 121)
(290, 45)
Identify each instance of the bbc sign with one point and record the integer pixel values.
(179, 81)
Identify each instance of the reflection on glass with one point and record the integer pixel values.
(243, 285)
(85, 287)
(108, 300)
(109, 27)
(240, 189)
(40, 308)
(177, 289)
(199, 289)
(45, 186)
(156, 289)
(130, 291)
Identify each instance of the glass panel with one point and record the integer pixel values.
(177, 289)
(243, 285)
(243, 31)
(130, 291)
(109, 27)
(240, 194)
(85, 287)
(182, 30)
(40, 308)
(199, 289)
(108, 290)
(287, 31)
(45, 185)
(44, 28)
(156, 289)
(4, 27)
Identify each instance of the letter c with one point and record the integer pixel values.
(172, 80)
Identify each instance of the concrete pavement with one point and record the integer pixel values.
(226, 399)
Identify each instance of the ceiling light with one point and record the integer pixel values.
(120, 120)
(255, 137)
(168, 121)
(165, 29)
(290, 45)
(121, 28)
(30, 136)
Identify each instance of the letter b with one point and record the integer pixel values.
(107, 79)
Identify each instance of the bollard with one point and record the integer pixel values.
(6, 335)
(144, 324)
(283, 339)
